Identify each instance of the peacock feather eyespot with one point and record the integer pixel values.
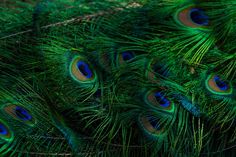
(155, 68)
(151, 125)
(193, 17)
(19, 113)
(156, 98)
(84, 69)
(217, 85)
(22, 114)
(125, 57)
(81, 70)
(5, 132)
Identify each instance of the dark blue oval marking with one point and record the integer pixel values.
(127, 55)
(3, 130)
(220, 83)
(198, 16)
(22, 114)
(84, 69)
(153, 121)
(162, 100)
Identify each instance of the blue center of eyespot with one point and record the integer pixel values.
(221, 84)
(22, 114)
(127, 55)
(153, 121)
(84, 69)
(162, 100)
(198, 16)
(3, 130)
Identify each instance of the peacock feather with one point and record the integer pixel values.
(118, 78)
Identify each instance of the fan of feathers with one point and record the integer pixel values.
(118, 78)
